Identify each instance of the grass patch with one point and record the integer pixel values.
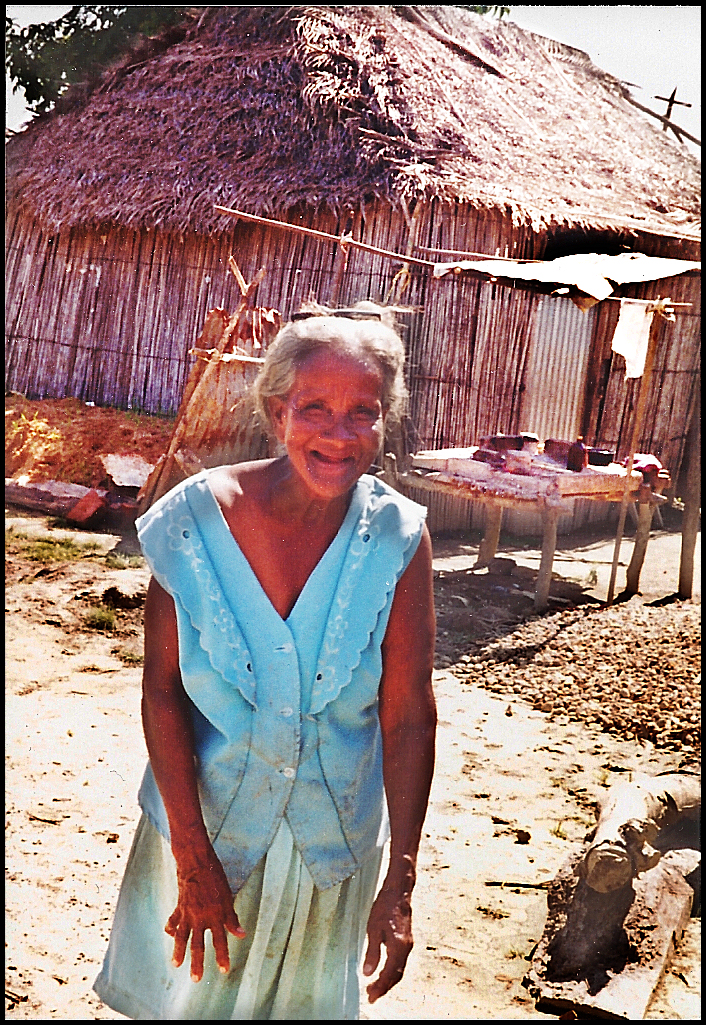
(128, 656)
(35, 429)
(12, 535)
(100, 618)
(58, 523)
(119, 560)
(48, 549)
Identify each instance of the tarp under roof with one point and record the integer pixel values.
(595, 274)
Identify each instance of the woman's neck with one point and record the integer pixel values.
(286, 500)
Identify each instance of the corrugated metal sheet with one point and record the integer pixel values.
(552, 402)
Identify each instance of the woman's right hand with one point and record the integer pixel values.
(205, 900)
(205, 903)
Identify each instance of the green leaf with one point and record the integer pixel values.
(47, 58)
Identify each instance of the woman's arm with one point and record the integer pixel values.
(408, 723)
(205, 899)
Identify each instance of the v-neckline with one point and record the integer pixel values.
(352, 514)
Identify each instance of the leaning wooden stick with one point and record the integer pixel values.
(342, 240)
(197, 385)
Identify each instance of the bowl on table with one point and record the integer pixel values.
(600, 457)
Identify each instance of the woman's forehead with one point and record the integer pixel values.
(331, 367)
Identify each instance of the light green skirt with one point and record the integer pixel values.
(299, 960)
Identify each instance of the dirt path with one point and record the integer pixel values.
(75, 755)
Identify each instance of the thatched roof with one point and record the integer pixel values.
(270, 108)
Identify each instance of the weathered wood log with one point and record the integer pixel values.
(605, 953)
(605, 947)
(630, 818)
(53, 497)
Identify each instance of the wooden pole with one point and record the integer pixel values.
(491, 536)
(636, 427)
(344, 240)
(692, 503)
(670, 101)
(339, 270)
(670, 124)
(544, 577)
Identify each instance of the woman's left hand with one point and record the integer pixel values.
(390, 923)
(408, 725)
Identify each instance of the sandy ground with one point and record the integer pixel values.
(75, 755)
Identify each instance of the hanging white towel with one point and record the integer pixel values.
(632, 334)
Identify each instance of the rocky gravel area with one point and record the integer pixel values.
(632, 669)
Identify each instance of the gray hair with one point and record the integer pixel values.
(302, 338)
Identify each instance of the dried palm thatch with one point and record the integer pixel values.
(272, 108)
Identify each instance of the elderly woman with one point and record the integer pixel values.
(287, 708)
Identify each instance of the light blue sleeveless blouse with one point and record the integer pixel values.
(285, 712)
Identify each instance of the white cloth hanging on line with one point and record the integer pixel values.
(632, 335)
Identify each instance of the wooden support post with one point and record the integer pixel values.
(634, 440)
(491, 536)
(692, 504)
(544, 577)
(339, 269)
(642, 536)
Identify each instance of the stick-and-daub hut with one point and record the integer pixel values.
(428, 131)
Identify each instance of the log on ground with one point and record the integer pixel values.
(605, 953)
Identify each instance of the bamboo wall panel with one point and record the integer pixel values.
(109, 315)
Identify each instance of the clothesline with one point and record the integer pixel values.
(647, 302)
(348, 240)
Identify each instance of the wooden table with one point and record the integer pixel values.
(545, 487)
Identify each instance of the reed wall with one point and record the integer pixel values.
(109, 315)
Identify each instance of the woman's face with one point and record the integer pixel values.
(332, 421)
